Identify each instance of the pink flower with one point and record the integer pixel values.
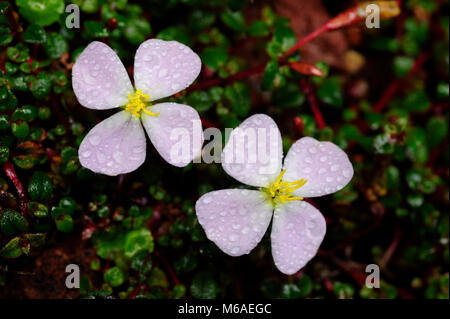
(236, 219)
(117, 145)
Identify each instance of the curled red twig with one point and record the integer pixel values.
(9, 170)
(172, 274)
(309, 92)
(395, 85)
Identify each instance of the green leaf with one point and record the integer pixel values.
(305, 284)
(178, 291)
(158, 278)
(4, 6)
(95, 29)
(26, 113)
(4, 122)
(285, 36)
(64, 223)
(204, 286)
(270, 75)
(8, 100)
(41, 85)
(20, 129)
(214, 57)
(416, 142)
(201, 19)
(12, 222)
(177, 33)
(234, 20)
(137, 241)
(68, 204)
(239, 98)
(137, 30)
(4, 154)
(343, 290)
(290, 291)
(330, 92)
(200, 100)
(19, 54)
(40, 187)
(56, 45)
(5, 38)
(437, 130)
(28, 154)
(12, 249)
(114, 276)
(443, 91)
(402, 65)
(37, 209)
(34, 34)
(35, 240)
(288, 95)
(41, 12)
(258, 29)
(417, 101)
(91, 6)
(415, 200)
(392, 177)
(44, 113)
(142, 262)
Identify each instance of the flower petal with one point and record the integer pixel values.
(176, 132)
(254, 151)
(324, 165)
(99, 78)
(234, 219)
(163, 68)
(297, 232)
(114, 146)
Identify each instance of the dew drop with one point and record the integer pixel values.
(162, 73)
(334, 168)
(94, 139)
(346, 173)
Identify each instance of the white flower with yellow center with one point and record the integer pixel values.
(237, 219)
(117, 145)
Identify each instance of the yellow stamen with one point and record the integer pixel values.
(138, 103)
(281, 191)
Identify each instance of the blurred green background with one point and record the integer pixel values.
(383, 98)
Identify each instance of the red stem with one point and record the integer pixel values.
(9, 170)
(135, 291)
(15, 27)
(257, 69)
(391, 249)
(170, 270)
(395, 85)
(2, 67)
(309, 92)
(306, 39)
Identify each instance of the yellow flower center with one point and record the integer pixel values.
(137, 104)
(281, 191)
